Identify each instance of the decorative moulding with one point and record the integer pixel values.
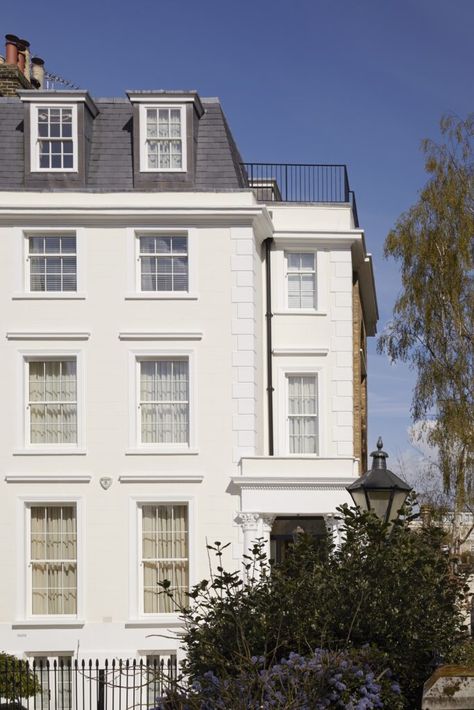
(48, 624)
(160, 335)
(105, 482)
(160, 478)
(50, 335)
(301, 351)
(287, 483)
(47, 478)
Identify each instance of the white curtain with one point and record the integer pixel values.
(54, 559)
(301, 280)
(302, 415)
(164, 403)
(53, 402)
(165, 554)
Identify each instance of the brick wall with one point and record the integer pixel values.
(12, 80)
(360, 379)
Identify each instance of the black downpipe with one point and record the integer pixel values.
(268, 317)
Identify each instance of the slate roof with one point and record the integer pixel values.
(110, 161)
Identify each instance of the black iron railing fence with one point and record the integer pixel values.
(294, 182)
(85, 684)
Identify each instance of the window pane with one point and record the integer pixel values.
(180, 245)
(164, 401)
(60, 270)
(164, 272)
(147, 245)
(53, 553)
(52, 402)
(301, 280)
(302, 414)
(164, 555)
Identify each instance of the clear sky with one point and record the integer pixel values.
(359, 82)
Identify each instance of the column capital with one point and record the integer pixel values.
(267, 521)
(248, 521)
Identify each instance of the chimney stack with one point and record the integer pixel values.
(15, 72)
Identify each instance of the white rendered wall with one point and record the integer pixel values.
(221, 327)
(108, 325)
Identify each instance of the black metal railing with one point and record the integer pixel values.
(85, 684)
(293, 182)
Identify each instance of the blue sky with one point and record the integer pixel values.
(325, 81)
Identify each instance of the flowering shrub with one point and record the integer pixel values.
(325, 679)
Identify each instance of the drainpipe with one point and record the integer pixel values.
(268, 318)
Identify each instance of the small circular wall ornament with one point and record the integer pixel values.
(105, 482)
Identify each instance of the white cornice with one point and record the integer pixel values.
(46, 96)
(47, 478)
(291, 483)
(167, 97)
(160, 335)
(160, 478)
(50, 335)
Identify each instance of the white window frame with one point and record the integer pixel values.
(136, 445)
(24, 426)
(134, 291)
(280, 273)
(24, 576)
(143, 137)
(165, 658)
(53, 693)
(79, 260)
(284, 372)
(136, 593)
(313, 375)
(35, 138)
(287, 272)
(164, 233)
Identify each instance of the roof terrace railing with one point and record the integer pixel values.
(292, 182)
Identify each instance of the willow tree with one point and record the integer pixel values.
(433, 321)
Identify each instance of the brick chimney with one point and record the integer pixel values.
(15, 69)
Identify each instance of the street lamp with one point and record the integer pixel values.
(380, 490)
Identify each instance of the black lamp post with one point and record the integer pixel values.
(380, 490)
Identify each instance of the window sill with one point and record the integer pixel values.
(300, 312)
(53, 170)
(49, 296)
(161, 296)
(153, 621)
(49, 623)
(161, 452)
(49, 452)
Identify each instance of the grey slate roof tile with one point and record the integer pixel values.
(110, 165)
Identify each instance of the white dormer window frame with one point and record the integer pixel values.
(162, 146)
(58, 145)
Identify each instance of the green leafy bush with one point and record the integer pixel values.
(393, 589)
(17, 681)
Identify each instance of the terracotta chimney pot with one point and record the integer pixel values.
(11, 49)
(21, 46)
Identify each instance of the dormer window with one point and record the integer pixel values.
(163, 130)
(58, 130)
(54, 138)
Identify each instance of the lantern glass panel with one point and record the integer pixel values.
(379, 501)
(358, 496)
(399, 498)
